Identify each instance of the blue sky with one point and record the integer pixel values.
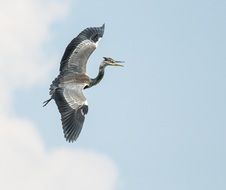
(161, 118)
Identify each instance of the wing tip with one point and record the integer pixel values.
(69, 140)
(100, 30)
(103, 26)
(73, 129)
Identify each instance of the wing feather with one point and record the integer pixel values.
(80, 48)
(72, 106)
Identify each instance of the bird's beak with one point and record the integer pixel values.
(116, 63)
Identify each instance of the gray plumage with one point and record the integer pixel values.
(67, 87)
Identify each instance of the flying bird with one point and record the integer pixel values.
(67, 88)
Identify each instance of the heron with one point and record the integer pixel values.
(67, 88)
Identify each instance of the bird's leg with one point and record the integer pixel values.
(46, 102)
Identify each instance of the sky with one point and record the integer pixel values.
(157, 123)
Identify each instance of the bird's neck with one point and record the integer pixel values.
(99, 76)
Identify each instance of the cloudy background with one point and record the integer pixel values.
(158, 123)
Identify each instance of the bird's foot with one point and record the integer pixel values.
(46, 102)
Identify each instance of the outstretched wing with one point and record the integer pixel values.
(72, 106)
(80, 48)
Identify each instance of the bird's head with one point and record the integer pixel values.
(111, 62)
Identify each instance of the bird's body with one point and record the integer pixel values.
(67, 87)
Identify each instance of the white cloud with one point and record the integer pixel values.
(25, 165)
(24, 162)
(25, 28)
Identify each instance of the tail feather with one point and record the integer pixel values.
(52, 90)
(54, 86)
